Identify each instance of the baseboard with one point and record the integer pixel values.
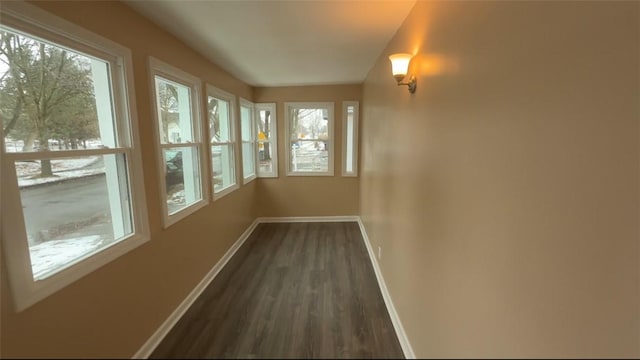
(308, 219)
(395, 319)
(155, 339)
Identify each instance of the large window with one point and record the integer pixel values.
(72, 195)
(181, 154)
(221, 110)
(350, 138)
(247, 129)
(309, 141)
(267, 140)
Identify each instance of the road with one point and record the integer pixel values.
(64, 204)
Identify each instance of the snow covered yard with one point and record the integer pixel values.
(28, 172)
(52, 255)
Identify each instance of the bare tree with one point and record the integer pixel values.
(43, 80)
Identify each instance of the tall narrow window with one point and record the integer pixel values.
(72, 181)
(178, 125)
(309, 140)
(221, 111)
(350, 138)
(247, 125)
(267, 140)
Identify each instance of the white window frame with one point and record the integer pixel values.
(273, 141)
(287, 129)
(40, 24)
(353, 139)
(174, 74)
(252, 124)
(231, 99)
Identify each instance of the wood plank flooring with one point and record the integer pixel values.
(293, 290)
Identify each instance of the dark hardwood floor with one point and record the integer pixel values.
(293, 290)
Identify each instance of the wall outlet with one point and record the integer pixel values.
(379, 253)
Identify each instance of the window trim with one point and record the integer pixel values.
(287, 143)
(273, 140)
(175, 74)
(356, 114)
(246, 103)
(233, 119)
(37, 23)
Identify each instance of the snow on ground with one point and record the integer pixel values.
(51, 255)
(30, 168)
(22, 181)
(28, 171)
(14, 146)
(176, 201)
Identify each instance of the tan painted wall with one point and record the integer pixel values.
(113, 311)
(308, 196)
(505, 192)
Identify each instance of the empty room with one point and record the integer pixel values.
(320, 179)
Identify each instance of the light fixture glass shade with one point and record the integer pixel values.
(400, 65)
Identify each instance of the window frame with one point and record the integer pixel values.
(330, 126)
(345, 138)
(174, 74)
(212, 91)
(273, 140)
(37, 23)
(254, 149)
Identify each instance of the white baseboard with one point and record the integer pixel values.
(395, 319)
(155, 339)
(308, 219)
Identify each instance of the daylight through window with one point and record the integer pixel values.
(56, 102)
(221, 108)
(71, 178)
(350, 138)
(248, 140)
(180, 140)
(267, 140)
(310, 138)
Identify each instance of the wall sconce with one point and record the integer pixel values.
(399, 67)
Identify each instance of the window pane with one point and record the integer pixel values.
(349, 158)
(309, 136)
(182, 177)
(309, 156)
(310, 124)
(265, 125)
(219, 120)
(245, 122)
(52, 98)
(174, 111)
(222, 164)
(265, 159)
(248, 163)
(73, 207)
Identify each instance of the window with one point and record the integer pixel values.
(248, 140)
(73, 195)
(267, 140)
(181, 150)
(221, 107)
(309, 135)
(350, 138)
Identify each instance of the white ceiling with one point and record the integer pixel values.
(284, 43)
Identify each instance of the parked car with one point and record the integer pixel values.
(173, 172)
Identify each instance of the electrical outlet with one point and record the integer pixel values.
(379, 253)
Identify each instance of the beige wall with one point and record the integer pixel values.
(505, 192)
(308, 196)
(113, 311)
